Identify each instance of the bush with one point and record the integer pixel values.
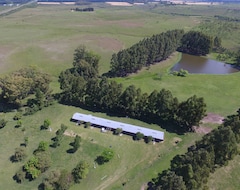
(118, 131)
(138, 136)
(46, 124)
(148, 139)
(19, 155)
(18, 116)
(3, 123)
(106, 156)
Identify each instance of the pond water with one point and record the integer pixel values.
(201, 65)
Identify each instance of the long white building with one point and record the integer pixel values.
(127, 128)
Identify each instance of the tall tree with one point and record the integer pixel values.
(190, 112)
(196, 43)
(169, 180)
(80, 171)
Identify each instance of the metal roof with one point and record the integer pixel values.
(115, 124)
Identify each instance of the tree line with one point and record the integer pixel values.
(81, 86)
(192, 169)
(146, 52)
(157, 48)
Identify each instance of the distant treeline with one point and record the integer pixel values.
(227, 18)
(84, 9)
(192, 169)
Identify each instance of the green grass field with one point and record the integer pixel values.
(46, 36)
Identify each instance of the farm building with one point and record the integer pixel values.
(113, 125)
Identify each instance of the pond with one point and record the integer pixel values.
(201, 65)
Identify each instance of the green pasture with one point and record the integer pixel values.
(226, 178)
(131, 157)
(219, 91)
(46, 37)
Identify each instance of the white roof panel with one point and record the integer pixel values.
(115, 124)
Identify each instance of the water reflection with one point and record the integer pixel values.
(196, 64)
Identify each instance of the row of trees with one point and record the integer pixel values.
(158, 47)
(81, 86)
(156, 107)
(191, 170)
(144, 53)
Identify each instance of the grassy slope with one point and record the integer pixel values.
(226, 178)
(219, 91)
(133, 156)
(46, 36)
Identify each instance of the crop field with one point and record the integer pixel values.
(46, 36)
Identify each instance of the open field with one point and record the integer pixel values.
(133, 156)
(46, 36)
(226, 178)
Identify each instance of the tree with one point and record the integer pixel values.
(20, 176)
(26, 140)
(43, 146)
(65, 180)
(87, 125)
(106, 156)
(169, 180)
(19, 155)
(3, 123)
(148, 139)
(50, 181)
(190, 112)
(17, 116)
(138, 136)
(217, 42)
(31, 168)
(46, 124)
(44, 161)
(20, 84)
(19, 124)
(80, 171)
(146, 52)
(118, 131)
(59, 135)
(237, 58)
(195, 43)
(76, 144)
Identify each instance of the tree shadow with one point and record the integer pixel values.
(99, 160)
(71, 151)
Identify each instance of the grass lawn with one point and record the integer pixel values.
(219, 91)
(131, 157)
(226, 178)
(46, 36)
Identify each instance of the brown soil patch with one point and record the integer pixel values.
(213, 118)
(202, 129)
(209, 118)
(70, 133)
